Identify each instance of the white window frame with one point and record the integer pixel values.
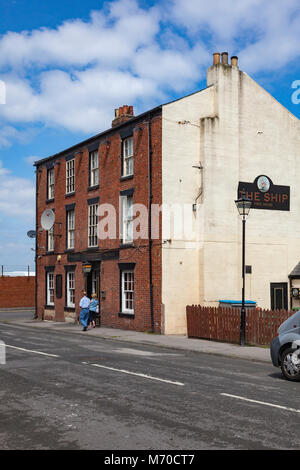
(50, 288)
(50, 241)
(127, 157)
(70, 176)
(50, 183)
(71, 289)
(94, 168)
(127, 219)
(92, 225)
(127, 291)
(71, 229)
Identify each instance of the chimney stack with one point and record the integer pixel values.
(220, 67)
(225, 58)
(122, 114)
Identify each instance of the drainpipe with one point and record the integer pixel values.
(150, 197)
(36, 242)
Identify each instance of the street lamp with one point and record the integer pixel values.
(243, 206)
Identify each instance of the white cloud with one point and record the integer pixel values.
(8, 134)
(31, 159)
(264, 33)
(95, 66)
(74, 75)
(17, 196)
(106, 39)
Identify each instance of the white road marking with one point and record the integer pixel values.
(123, 371)
(261, 402)
(31, 350)
(138, 352)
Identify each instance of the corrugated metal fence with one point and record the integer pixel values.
(223, 324)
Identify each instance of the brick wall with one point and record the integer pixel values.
(17, 291)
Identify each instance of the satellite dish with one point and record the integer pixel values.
(47, 219)
(31, 234)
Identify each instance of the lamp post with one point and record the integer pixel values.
(243, 206)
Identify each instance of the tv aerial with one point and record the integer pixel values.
(31, 234)
(47, 219)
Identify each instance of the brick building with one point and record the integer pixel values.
(123, 161)
(195, 155)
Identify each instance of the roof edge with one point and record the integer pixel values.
(97, 136)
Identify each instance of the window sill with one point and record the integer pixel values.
(51, 252)
(125, 178)
(69, 250)
(126, 245)
(126, 315)
(49, 307)
(49, 201)
(70, 194)
(92, 248)
(69, 309)
(93, 188)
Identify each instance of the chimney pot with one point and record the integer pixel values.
(234, 61)
(225, 58)
(122, 114)
(216, 58)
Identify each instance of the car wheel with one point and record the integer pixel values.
(290, 365)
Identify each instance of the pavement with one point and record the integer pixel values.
(181, 342)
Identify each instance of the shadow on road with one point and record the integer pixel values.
(277, 376)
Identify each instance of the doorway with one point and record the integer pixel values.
(279, 297)
(93, 282)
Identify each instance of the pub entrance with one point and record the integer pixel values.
(279, 297)
(93, 285)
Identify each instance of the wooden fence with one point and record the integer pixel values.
(223, 324)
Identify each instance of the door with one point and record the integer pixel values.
(279, 298)
(93, 283)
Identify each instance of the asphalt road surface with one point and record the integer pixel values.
(64, 391)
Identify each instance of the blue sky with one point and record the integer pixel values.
(67, 65)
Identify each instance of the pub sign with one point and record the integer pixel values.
(266, 195)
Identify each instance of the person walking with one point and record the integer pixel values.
(84, 312)
(94, 307)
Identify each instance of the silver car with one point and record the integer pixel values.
(285, 348)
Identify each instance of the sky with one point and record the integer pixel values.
(66, 65)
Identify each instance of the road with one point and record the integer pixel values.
(64, 391)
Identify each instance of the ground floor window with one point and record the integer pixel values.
(127, 291)
(71, 289)
(50, 288)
